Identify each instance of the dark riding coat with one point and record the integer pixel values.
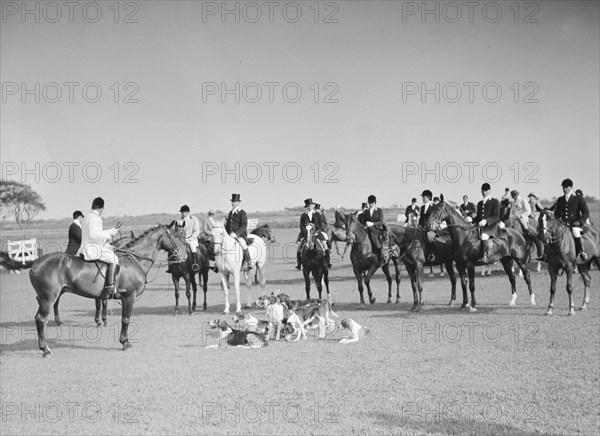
(237, 223)
(468, 209)
(340, 220)
(488, 211)
(305, 219)
(410, 210)
(376, 218)
(425, 215)
(74, 239)
(575, 212)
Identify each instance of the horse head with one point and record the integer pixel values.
(218, 235)
(548, 226)
(265, 232)
(171, 242)
(311, 231)
(439, 214)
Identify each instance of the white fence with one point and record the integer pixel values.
(23, 251)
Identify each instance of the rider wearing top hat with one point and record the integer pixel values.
(237, 226)
(488, 214)
(361, 215)
(310, 216)
(573, 211)
(374, 223)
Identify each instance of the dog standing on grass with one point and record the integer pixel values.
(275, 316)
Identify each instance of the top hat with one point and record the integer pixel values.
(486, 187)
(184, 208)
(426, 193)
(364, 205)
(567, 182)
(235, 197)
(308, 202)
(98, 203)
(317, 206)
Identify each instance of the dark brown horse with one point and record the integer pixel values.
(365, 262)
(560, 254)
(185, 270)
(101, 303)
(335, 235)
(412, 242)
(465, 240)
(313, 261)
(53, 273)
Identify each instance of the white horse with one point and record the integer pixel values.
(228, 258)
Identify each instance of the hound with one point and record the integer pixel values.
(275, 315)
(235, 338)
(356, 330)
(250, 323)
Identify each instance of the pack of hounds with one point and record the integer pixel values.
(286, 318)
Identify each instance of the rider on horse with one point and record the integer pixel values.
(320, 212)
(340, 218)
(206, 238)
(412, 214)
(467, 209)
(237, 227)
(95, 246)
(520, 211)
(361, 216)
(374, 223)
(426, 209)
(192, 231)
(573, 211)
(310, 216)
(488, 216)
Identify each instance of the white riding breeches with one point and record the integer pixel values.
(576, 231)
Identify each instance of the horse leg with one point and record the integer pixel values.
(584, 270)
(507, 263)
(262, 279)
(419, 280)
(523, 266)
(397, 268)
(205, 287)
(56, 315)
(306, 273)
(104, 305)
(249, 288)
(224, 281)
(127, 307)
(471, 271)
(98, 302)
(413, 283)
(386, 270)
(553, 275)
(345, 249)
(194, 289)
(359, 280)
(462, 273)
(176, 284)
(326, 281)
(236, 284)
(188, 294)
(370, 273)
(452, 276)
(41, 319)
(569, 270)
(318, 275)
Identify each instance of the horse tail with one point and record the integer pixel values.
(8, 263)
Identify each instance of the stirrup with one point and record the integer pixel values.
(195, 267)
(583, 256)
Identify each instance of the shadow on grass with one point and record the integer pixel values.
(428, 424)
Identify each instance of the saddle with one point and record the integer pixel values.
(99, 264)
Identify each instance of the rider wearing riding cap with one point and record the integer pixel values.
(488, 215)
(237, 226)
(192, 231)
(95, 246)
(374, 222)
(573, 211)
(426, 209)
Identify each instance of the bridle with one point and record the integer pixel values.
(549, 238)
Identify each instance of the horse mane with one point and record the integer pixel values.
(133, 241)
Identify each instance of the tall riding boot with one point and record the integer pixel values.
(195, 266)
(109, 284)
(484, 252)
(539, 246)
(298, 260)
(579, 250)
(327, 259)
(247, 258)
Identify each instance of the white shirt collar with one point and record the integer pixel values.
(485, 199)
(77, 222)
(235, 209)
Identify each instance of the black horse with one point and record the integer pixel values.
(314, 261)
(365, 262)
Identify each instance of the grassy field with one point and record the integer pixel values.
(501, 370)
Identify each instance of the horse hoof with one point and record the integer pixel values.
(532, 301)
(226, 311)
(47, 352)
(398, 301)
(372, 300)
(472, 309)
(548, 312)
(571, 311)
(126, 346)
(204, 307)
(412, 309)
(59, 322)
(362, 306)
(98, 324)
(512, 303)
(584, 307)
(389, 301)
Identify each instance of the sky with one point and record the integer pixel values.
(155, 104)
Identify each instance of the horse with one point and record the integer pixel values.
(560, 254)
(365, 262)
(55, 272)
(185, 270)
(101, 303)
(466, 244)
(412, 243)
(312, 255)
(229, 257)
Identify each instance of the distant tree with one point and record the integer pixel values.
(20, 201)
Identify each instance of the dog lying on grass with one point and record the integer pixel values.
(357, 331)
(235, 338)
(248, 322)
